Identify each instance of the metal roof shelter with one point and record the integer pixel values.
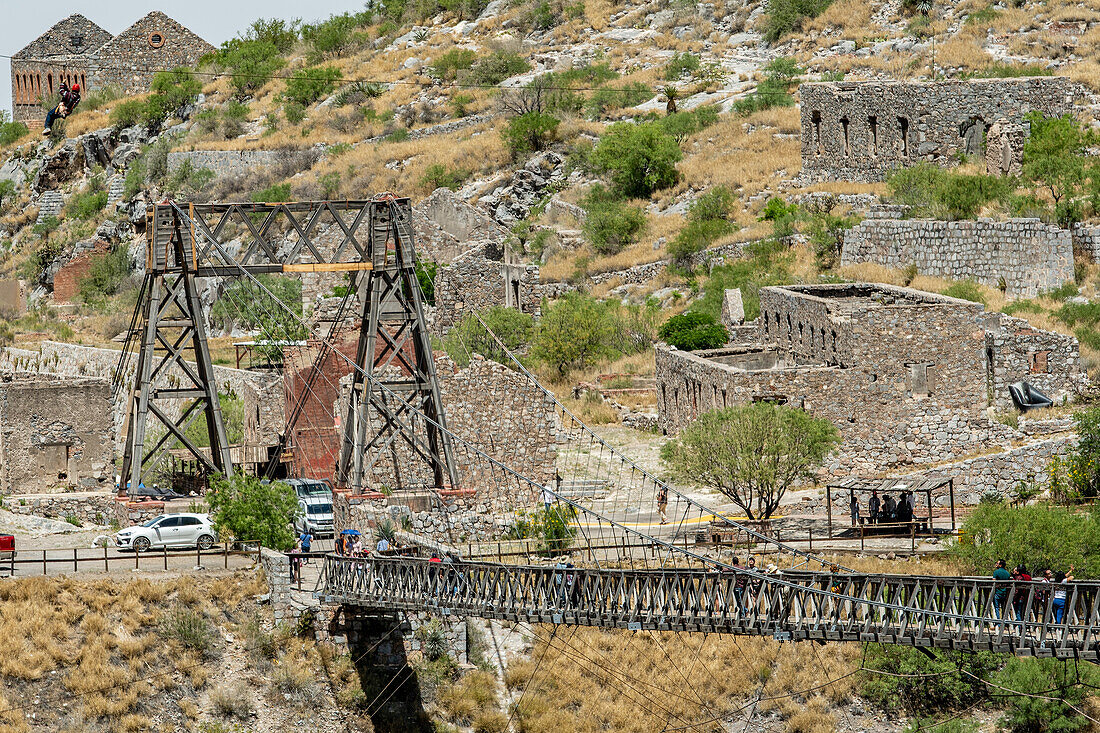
(884, 486)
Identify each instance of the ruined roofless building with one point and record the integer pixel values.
(905, 375)
(77, 51)
(860, 131)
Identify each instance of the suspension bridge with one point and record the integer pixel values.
(660, 580)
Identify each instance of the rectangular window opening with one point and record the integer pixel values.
(872, 144)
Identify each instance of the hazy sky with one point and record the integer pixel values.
(21, 21)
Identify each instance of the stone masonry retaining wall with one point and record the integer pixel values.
(261, 393)
(1024, 255)
(225, 162)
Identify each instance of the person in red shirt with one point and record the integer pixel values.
(1019, 598)
(69, 99)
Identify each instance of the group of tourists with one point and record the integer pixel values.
(1040, 595)
(887, 511)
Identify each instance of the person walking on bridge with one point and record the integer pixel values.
(1019, 598)
(662, 503)
(1000, 592)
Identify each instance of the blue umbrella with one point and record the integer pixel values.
(350, 531)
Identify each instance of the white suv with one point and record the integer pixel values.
(169, 530)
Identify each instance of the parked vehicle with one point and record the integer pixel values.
(169, 530)
(7, 551)
(316, 516)
(308, 488)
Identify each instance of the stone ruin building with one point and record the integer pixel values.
(906, 376)
(77, 51)
(860, 131)
(55, 433)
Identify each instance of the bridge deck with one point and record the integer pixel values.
(927, 611)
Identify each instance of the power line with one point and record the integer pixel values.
(425, 84)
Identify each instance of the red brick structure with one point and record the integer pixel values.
(66, 283)
(77, 51)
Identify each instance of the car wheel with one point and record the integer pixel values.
(206, 542)
(141, 544)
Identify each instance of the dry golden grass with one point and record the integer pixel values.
(851, 17)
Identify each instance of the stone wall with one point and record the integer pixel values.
(225, 162)
(97, 508)
(862, 130)
(474, 282)
(55, 433)
(130, 59)
(1017, 352)
(458, 517)
(259, 391)
(1000, 472)
(492, 410)
(1025, 256)
(902, 374)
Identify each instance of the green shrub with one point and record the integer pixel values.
(774, 91)
(492, 70)
(274, 193)
(447, 66)
(1009, 71)
(940, 194)
(683, 124)
(399, 135)
(279, 33)
(440, 176)
(680, 64)
(530, 133)
(604, 99)
(87, 205)
(610, 224)
(1041, 536)
(914, 684)
(249, 510)
(306, 86)
(188, 627)
(10, 131)
(786, 16)
(708, 221)
(128, 113)
(334, 36)
(514, 329)
(105, 276)
(692, 331)
(294, 113)
(638, 158)
(425, 276)
(174, 90)
(965, 290)
(1040, 680)
(764, 264)
(250, 63)
(248, 304)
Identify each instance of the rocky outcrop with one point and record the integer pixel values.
(513, 201)
(75, 157)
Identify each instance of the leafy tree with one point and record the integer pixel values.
(495, 68)
(440, 176)
(514, 329)
(610, 224)
(249, 305)
(306, 86)
(1040, 680)
(333, 36)
(554, 526)
(692, 331)
(250, 510)
(530, 133)
(639, 158)
(752, 453)
(1040, 536)
(775, 90)
(1084, 459)
(173, 90)
(573, 333)
(1054, 160)
(127, 113)
(681, 63)
(280, 33)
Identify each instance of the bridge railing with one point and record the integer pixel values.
(921, 610)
